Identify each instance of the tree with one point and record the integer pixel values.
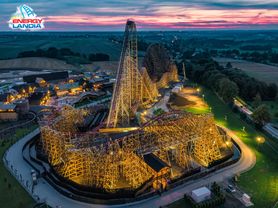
(52, 52)
(257, 100)
(99, 57)
(227, 90)
(272, 91)
(213, 80)
(261, 115)
(229, 65)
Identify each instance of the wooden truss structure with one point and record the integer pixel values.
(132, 158)
(112, 162)
(133, 88)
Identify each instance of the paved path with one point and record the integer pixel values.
(269, 128)
(47, 193)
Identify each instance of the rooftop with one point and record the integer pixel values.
(68, 86)
(154, 162)
(201, 191)
(5, 107)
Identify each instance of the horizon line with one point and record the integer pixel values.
(156, 30)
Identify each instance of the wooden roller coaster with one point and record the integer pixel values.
(113, 161)
(126, 157)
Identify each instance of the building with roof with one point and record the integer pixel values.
(5, 97)
(201, 194)
(68, 89)
(8, 112)
(160, 168)
(38, 98)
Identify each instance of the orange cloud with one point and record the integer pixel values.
(177, 17)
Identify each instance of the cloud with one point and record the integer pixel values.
(105, 14)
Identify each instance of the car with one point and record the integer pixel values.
(34, 176)
(33, 172)
(231, 188)
(228, 190)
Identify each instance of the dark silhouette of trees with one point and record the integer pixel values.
(228, 90)
(99, 57)
(257, 100)
(209, 73)
(229, 65)
(64, 54)
(261, 115)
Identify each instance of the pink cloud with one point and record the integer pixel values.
(176, 17)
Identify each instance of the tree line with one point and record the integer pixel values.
(228, 82)
(64, 54)
(267, 56)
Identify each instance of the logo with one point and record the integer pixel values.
(25, 19)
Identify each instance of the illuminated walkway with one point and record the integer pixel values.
(43, 192)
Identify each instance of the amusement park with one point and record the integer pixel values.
(137, 149)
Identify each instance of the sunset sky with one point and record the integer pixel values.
(109, 15)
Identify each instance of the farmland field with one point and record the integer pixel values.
(11, 45)
(259, 71)
(107, 66)
(35, 63)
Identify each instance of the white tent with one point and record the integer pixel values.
(201, 194)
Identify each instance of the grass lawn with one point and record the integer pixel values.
(189, 100)
(197, 110)
(261, 182)
(12, 195)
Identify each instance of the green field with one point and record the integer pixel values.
(12, 195)
(10, 46)
(261, 182)
(197, 110)
(262, 72)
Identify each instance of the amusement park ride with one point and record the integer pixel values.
(120, 154)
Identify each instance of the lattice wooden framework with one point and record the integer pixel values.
(129, 90)
(133, 88)
(114, 161)
(103, 161)
(171, 76)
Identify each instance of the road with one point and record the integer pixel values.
(269, 127)
(21, 170)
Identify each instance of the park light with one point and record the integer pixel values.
(260, 140)
(198, 89)
(243, 128)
